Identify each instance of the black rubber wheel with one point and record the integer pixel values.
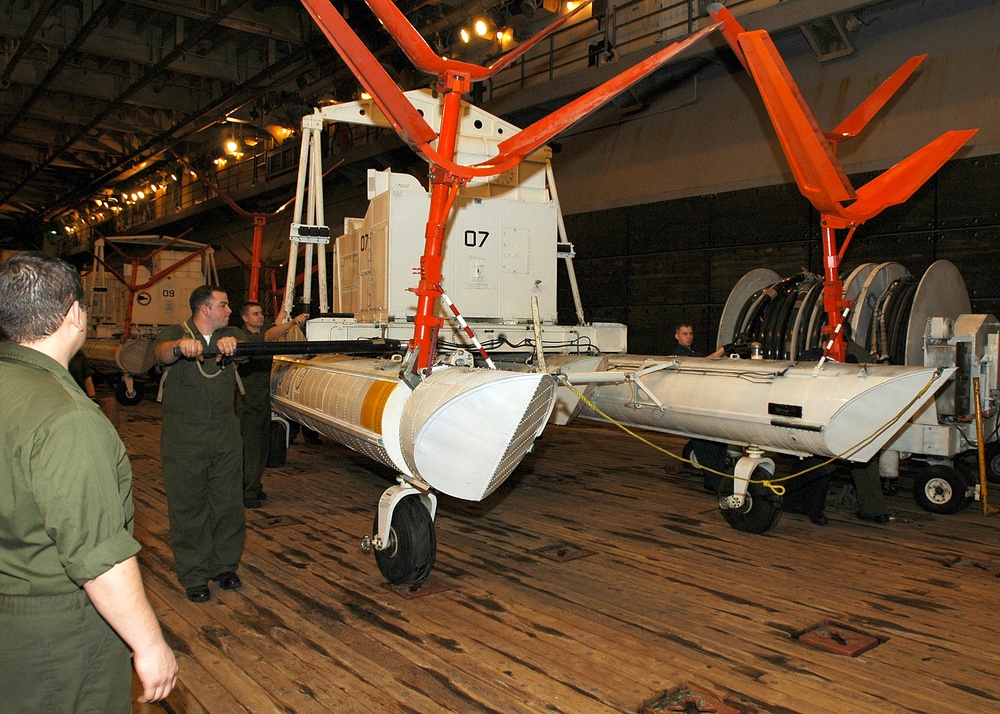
(992, 453)
(122, 395)
(278, 453)
(940, 489)
(688, 453)
(408, 556)
(761, 510)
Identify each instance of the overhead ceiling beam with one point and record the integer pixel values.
(290, 67)
(26, 41)
(200, 32)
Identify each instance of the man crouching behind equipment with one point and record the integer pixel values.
(71, 596)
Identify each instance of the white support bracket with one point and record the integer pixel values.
(387, 504)
(743, 472)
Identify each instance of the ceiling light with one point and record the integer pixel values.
(481, 28)
(464, 34)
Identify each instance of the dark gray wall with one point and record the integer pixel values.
(653, 265)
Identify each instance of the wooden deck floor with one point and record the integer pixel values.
(666, 598)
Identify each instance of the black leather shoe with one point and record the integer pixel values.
(880, 518)
(251, 503)
(261, 496)
(819, 519)
(198, 593)
(228, 580)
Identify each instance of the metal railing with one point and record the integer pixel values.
(622, 29)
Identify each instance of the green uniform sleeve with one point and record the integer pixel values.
(167, 334)
(83, 491)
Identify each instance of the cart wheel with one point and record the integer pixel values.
(126, 399)
(992, 453)
(761, 510)
(940, 489)
(408, 555)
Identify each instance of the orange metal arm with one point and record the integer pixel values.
(526, 141)
(405, 119)
(812, 160)
(897, 184)
(731, 30)
(857, 120)
(411, 126)
(811, 154)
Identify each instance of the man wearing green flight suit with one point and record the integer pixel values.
(254, 406)
(200, 446)
(72, 603)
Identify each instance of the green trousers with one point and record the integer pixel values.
(203, 476)
(868, 487)
(59, 656)
(255, 427)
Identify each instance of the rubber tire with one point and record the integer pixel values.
(121, 393)
(413, 544)
(940, 489)
(277, 456)
(992, 456)
(762, 509)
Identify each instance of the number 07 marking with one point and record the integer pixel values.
(476, 239)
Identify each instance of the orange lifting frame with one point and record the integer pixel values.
(455, 78)
(812, 155)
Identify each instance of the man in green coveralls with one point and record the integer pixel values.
(72, 602)
(254, 406)
(200, 446)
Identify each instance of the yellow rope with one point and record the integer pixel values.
(773, 484)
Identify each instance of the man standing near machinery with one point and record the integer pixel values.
(254, 406)
(72, 602)
(200, 446)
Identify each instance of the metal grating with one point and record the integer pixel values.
(689, 700)
(838, 639)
